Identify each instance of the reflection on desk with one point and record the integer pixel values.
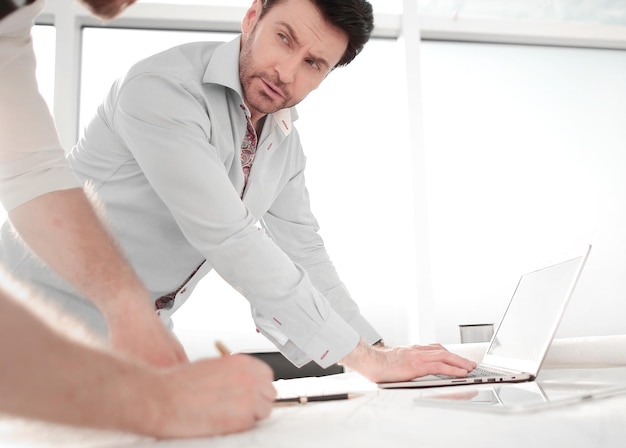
(529, 396)
(379, 418)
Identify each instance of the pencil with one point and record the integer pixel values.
(219, 345)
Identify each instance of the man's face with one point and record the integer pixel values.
(286, 54)
(107, 9)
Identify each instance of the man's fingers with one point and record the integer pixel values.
(447, 369)
(268, 393)
(440, 354)
(429, 347)
(430, 360)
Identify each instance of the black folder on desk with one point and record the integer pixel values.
(285, 370)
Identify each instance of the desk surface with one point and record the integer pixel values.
(379, 418)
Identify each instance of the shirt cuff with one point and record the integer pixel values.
(335, 339)
(340, 300)
(365, 329)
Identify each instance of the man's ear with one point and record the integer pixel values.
(252, 16)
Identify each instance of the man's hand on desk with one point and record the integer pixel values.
(385, 364)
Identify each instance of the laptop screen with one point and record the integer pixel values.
(534, 313)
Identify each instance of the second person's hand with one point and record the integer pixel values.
(406, 363)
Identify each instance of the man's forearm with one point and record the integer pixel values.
(50, 377)
(64, 222)
(63, 229)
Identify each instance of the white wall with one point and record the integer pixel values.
(526, 159)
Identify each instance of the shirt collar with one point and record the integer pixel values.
(223, 69)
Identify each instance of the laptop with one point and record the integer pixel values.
(525, 332)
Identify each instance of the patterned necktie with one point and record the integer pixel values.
(248, 149)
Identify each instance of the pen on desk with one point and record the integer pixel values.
(310, 399)
(219, 345)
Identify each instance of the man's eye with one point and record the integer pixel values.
(313, 64)
(282, 37)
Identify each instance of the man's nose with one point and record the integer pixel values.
(287, 68)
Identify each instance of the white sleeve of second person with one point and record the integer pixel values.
(162, 137)
(32, 161)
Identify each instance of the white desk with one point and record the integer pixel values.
(380, 418)
(393, 418)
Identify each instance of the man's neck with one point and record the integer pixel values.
(258, 122)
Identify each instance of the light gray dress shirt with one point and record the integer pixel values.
(163, 154)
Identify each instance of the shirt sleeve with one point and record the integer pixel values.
(166, 129)
(32, 161)
(293, 226)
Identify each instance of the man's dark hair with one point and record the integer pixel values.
(354, 17)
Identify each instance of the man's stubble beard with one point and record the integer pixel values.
(258, 100)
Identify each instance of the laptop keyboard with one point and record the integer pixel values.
(478, 372)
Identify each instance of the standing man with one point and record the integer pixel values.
(195, 146)
(52, 214)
